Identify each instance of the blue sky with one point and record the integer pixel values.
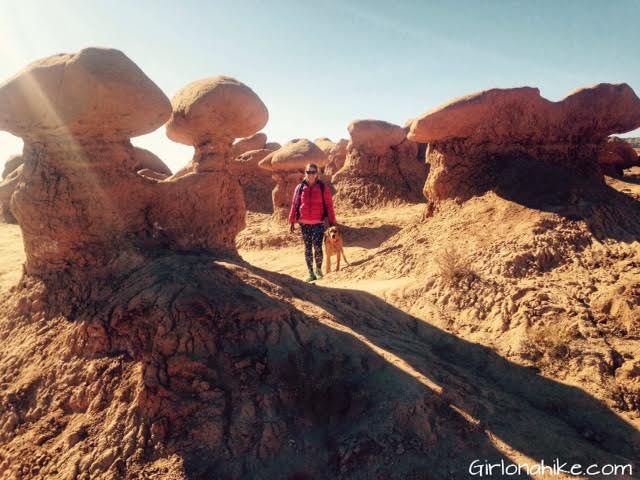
(319, 65)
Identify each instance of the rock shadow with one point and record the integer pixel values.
(536, 416)
(368, 237)
(608, 213)
(240, 383)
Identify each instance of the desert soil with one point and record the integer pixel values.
(525, 291)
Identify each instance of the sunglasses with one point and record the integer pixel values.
(311, 172)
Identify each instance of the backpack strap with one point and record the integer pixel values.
(298, 199)
(325, 213)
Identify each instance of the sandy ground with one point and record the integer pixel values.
(11, 256)
(535, 294)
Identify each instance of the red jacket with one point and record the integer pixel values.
(311, 205)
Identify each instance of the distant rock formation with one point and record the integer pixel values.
(473, 138)
(254, 142)
(381, 167)
(88, 200)
(255, 181)
(287, 168)
(10, 177)
(616, 155)
(336, 154)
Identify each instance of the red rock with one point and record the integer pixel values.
(254, 142)
(149, 160)
(96, 93)
(381, 167)
(287, 167)
(218, 109)
(472, 139)
(7, 187)
(256, 182)
(98, 213)
(336, 154)
(375, 136)
(616, 155)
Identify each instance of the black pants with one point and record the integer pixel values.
(312, 236)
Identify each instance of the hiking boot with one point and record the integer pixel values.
(319, 274)
(311, 277)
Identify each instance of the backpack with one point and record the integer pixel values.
(298, 199)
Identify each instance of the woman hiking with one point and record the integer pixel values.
(311, 205)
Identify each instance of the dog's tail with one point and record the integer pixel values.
(345, 258)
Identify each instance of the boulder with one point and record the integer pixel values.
(254, 142)
(95, 93)
(218, 109)
(146, 160)
(287, 167)
(473, 139)
(616, 155)
(381, 167)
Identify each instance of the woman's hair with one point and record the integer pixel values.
(311, 165)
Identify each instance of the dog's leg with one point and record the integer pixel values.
(328, 257)
(338, 262)
(345, 258)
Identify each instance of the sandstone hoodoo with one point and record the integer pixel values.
(96, 93)
(210, 114)
(616, 155)
(76, 113)
(336, 154)
(256, 182)
(102, 212)
(381, 166)
(7, 187)
(254, 142)
(474, 139)
(287, 168)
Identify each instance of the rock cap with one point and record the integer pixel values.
(220, 108)
(95, 93)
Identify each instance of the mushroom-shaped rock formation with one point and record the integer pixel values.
(337, 154)
(210, 114)
(472, 139)
(381, 167)
(146, 160)
(11, 164)
(75, 113)
(100, 213)
(254, 142)
(616, 155)
(96, 93)
(287, 168)
(256, 182)
(7, 187)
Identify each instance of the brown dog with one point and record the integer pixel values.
(333, 246)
